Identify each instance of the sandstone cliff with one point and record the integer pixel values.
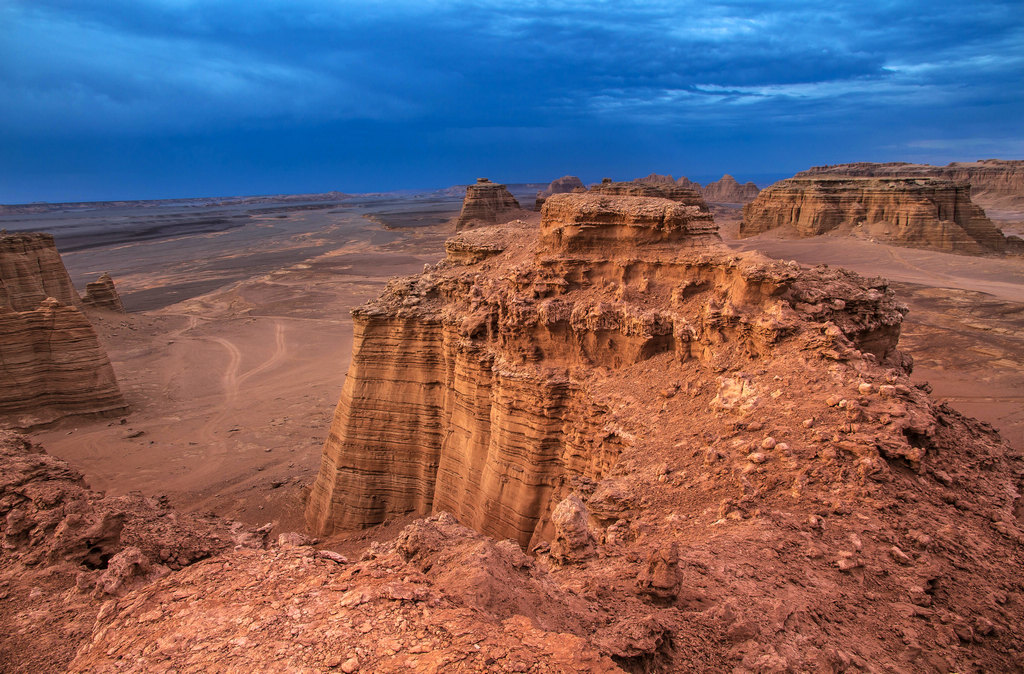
(645, 188)
(920, 212)
(727, 190)
(485, 203)
(995, 183)
(101, 294)
(653, 416)
(559, 186)
(51, 360)
(31, 270)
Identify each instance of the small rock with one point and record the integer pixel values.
(865, 388)
(832, 401)
(807, 423)
(757, 457)
(886, 390)
(782, 447)
(768, 443)
(350, 665)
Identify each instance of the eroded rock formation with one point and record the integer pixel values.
(646, 188)
(31, 270)
(561, 185)
(51, 361)
(920, 212)
(485, 203)
(995, 183)
(67, 549)
(657, 418)
(101, 294)
(727, 190)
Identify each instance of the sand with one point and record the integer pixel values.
(238, 340)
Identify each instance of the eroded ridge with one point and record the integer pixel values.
(919, 212)
(471, 388)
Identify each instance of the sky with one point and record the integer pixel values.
(145, 99)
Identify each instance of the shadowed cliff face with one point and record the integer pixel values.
(919, 212)
(472, 388)
(51, 360)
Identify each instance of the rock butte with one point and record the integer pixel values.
(717, 462)
(724, 190)
(101, 294)
(485, 203)
(52, 362)
(559, 186)
(995, 183)
(684, 195)
(919, 212)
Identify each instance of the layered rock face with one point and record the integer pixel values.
(101, 294)
(559, 186)
(727, 190)
(451, 401)
(645, 188)
(31, 270)
(995, 183)
(920, 212)
(485, 203)
(52, 362)
(715, 453)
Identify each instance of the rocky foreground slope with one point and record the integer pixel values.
(714, 462)
(918, 212)
(995, 183)
(51, 361)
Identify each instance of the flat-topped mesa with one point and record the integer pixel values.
(561, 185)
(473, 388)
(918, 212)
(101, 294)
(31, 270)
(728, 191)
(485, 203)
(995, 183)
(642, 188)
(598, 224)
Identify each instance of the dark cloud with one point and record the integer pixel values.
(296, 94)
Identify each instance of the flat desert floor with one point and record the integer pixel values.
(238, 340)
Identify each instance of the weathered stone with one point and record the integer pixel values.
(485, 203)
(101, 294)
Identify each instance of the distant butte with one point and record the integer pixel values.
(485, 203)
(918, 212)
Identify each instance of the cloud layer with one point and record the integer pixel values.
(115, 98)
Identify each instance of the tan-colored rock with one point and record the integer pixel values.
(101, 294)
(482, 419)
(53, 366)
(485, 203)
(31, 270)
(559, 186)
(727, 190)
(995, 183)
(645, 188)
(920, 212)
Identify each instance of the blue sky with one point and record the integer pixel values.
(108, 99)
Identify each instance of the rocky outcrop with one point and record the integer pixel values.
(559, 186)
(53, 366)
(67, 549)
(726, 190)
(31, 270)
(919, 212)
(660, 420)
(50, 357)
(474, 423)
(995, 183)
(644, 188)
(101, 294)
(485, 203)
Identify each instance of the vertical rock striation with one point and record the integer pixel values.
(470, 388)
(51, 361)
(485, 203)
(919, 212)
